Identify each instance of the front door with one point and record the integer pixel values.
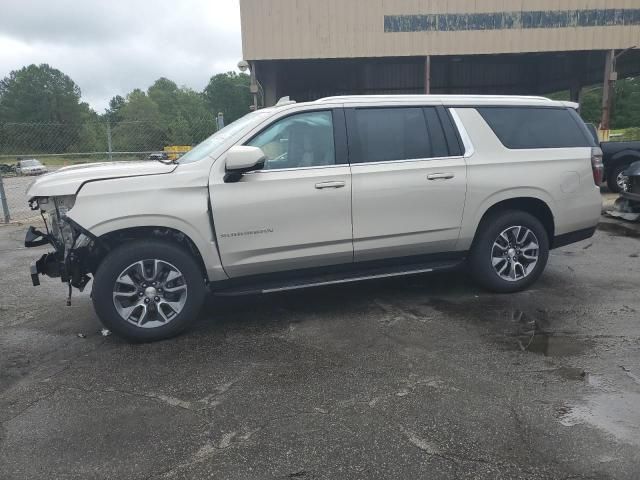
(296, 212)
(409, 182)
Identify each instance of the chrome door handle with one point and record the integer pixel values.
(440, 176)
(323, 185)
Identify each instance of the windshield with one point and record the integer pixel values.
(30, 163)
(208, 146)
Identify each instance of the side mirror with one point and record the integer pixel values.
(242, 159)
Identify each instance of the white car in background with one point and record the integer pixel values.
(30, 166)
(327, 192)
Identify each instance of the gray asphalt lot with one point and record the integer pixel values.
(419, 377)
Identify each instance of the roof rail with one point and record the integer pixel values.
(435, 97)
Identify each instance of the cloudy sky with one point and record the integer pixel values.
(110, 47)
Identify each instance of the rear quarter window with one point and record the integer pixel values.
(531, 127)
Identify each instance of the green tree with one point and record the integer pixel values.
(164, 93)
(184, 111)
(625, 105)
(113, 113)
(41, 109)
(39, 93)
(229, 93)
(180, 131)
(142, 127)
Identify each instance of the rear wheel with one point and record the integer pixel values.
(148, 290)
(510, 251)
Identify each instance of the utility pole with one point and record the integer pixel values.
(427, 74)
(610, 77)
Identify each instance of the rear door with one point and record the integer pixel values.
(296, 212)
(409, 181)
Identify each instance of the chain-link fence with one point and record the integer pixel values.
(60, 144)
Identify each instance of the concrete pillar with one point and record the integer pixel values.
(269, 80)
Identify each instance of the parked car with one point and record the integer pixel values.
(30, 166)
(333, 191)
(632, 187)
(162, 156)
(616, 157)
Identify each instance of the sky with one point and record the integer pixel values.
(110, 47)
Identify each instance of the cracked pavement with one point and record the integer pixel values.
(418, 377)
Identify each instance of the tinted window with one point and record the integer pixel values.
(386, 134)
(303, 140)
(438, 140)
(529, 127)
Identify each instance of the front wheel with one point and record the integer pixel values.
(148, 290)
(510, 251)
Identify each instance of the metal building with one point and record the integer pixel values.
(313, 48)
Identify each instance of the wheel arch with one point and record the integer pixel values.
(621, 158)
(170, 228)
(115, 238)
(532, 205)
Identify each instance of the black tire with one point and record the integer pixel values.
(612, 177)
(480, 259)
(125, 255)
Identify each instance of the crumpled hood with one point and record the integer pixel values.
(68, 180)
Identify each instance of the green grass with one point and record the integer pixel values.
(626, 135)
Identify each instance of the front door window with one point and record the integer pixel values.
(298, 141)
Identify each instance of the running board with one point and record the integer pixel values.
(335, 279)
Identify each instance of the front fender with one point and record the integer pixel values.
(179, 202)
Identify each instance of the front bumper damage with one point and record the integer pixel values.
(73, 249)
(627, 206)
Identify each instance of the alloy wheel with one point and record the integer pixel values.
(515, 253)
(150, 293)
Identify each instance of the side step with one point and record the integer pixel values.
(336, 278)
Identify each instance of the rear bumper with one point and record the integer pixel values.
(573, 237)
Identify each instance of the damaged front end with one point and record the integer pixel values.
(627, 206)
(74, 248)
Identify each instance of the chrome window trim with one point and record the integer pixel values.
(466, 140)
(410, 160)
(316, 167)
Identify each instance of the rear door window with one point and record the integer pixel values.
(531, 127)
(389, 134)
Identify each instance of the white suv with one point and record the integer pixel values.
(332, 191)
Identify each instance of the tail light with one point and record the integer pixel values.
(597, 166)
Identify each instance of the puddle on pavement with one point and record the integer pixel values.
(527, 331)
(620, 230)
(533, 334)
(615, 413)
